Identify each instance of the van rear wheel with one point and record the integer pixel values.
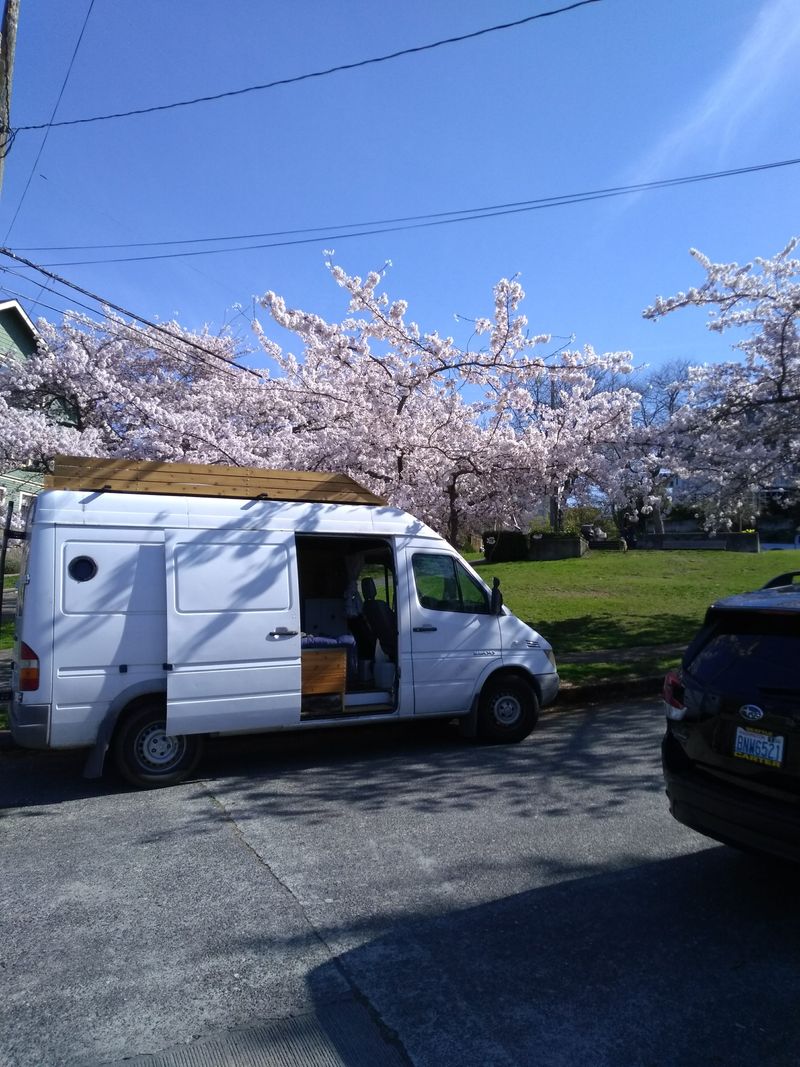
(507, 712)
(147, 756)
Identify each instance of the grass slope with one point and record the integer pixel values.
(622, 599)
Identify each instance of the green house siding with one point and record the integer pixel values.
(18, 340)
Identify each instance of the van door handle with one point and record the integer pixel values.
(424, 629)
(283, 632)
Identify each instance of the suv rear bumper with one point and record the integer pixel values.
(729, 814)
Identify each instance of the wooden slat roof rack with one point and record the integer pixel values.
(193, 479)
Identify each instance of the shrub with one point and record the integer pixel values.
(505, 546)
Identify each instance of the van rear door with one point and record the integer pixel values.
(233, 631)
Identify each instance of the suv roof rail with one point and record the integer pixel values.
(782, 579)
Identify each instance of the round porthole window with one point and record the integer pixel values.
(82, 569)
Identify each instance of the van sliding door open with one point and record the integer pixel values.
(233, 631)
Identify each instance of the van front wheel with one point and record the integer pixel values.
(507, 712)
(147, 756)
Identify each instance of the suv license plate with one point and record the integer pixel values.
(758, 746)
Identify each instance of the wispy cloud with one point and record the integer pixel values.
(761, 67)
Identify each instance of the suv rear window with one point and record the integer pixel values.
(747, 652)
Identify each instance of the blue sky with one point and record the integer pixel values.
(617, 92)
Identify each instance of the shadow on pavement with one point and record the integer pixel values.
(429, 768)
(684, 961)
(417, 766)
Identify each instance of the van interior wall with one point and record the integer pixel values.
(327, 568)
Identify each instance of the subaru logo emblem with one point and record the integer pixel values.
(751, 712)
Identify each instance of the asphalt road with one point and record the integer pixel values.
(394, 896)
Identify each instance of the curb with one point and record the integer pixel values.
(590, 694)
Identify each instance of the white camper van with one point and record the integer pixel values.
(148, 619)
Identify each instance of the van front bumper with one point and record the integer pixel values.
(548, 686)
(30, 723)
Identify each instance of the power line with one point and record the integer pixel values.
(48, 126)
(463, 214)
(27, 296)
(415, 222)
(93, 311)
(125, 311)
(306, 77)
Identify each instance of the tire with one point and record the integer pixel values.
(147, 756)
(507, 712)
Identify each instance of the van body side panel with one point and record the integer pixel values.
(233, 631)
(110, 629)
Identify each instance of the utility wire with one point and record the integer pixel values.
(124, 311)
(27, 296)
(308, 76)
(49, 125)
(436, 219)
(480, 212)
(93, 311)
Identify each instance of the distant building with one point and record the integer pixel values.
(19, 339)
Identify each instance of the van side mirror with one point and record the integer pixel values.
(497, 597)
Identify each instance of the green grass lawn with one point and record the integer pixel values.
(623, 600)
(614, 600)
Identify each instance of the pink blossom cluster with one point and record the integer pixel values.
(463, 436)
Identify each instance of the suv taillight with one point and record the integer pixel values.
(673, 695)
(28, 668)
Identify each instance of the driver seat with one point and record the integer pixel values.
(381, 618)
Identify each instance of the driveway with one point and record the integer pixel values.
(392, 896)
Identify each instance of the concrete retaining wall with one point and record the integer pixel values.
(700, 542)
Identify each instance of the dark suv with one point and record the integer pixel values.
(731, 753)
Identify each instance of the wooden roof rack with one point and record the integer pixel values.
(192, 479)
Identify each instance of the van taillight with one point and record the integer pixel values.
(673, 695)
(28, 668)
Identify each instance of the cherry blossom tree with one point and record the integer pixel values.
(116, 389)
(457, 434)
(581, 412)
(738, 431)
(644, 461)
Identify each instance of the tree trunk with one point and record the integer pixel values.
(452, 517)
(658, 519)
(556, 515)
